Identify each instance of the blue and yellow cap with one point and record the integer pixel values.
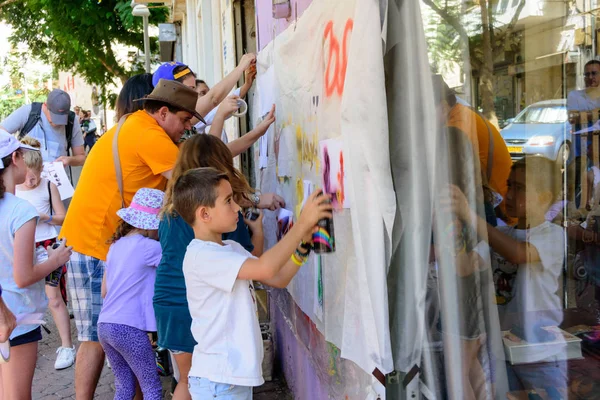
(165, 71)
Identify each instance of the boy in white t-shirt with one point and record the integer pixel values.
(527, 261)
(226, 362)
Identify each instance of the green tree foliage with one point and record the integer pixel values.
(465, 32)
(10, 99)
(13, 93)
(79, 35)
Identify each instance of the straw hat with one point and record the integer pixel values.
(175, 94)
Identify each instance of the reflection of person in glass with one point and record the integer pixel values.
(533, 251)
(479, 130)
(455, 251)
(587, 99)
(585, 230)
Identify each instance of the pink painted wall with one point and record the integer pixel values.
(313, 368)
(268, 27)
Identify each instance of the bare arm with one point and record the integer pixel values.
(258, 241)
(258, 236)
(267, 268)
(103, 290)
(287, 272)
(238, 146)
(249, 76)
(284, 276)
(215, 96)
(77, 159)
(8, 322)
(228, 106)
(584, 235)
(168, 174)
(57, 206)
(512, 250)
(25, 273)
(217, 127)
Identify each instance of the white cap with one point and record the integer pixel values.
(9, 144)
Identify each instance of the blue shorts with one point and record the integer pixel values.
(85, 289)
(537, 375)
(204, 389)
(26, 338)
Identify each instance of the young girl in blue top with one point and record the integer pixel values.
(173, 318)
(45, 197)
(127, 289)
(22, 281)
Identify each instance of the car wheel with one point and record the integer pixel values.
(564, 152)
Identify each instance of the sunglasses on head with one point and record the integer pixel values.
(591, 73)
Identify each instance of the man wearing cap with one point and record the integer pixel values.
(50, 130)
(147, 151)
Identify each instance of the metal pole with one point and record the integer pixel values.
(146, 44)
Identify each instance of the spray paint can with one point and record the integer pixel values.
(163, 361)
(324, 238)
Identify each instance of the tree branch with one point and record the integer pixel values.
(110, 58)
(515, 17)
(451, 20)
(108, 67)
(7, 2)
(508, 29)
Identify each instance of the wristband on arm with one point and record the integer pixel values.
(300, 257)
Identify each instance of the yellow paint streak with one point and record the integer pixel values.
(299, 194)
(307, 147)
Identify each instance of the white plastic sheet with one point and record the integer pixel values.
(328, 72)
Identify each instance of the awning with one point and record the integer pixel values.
(542, 62)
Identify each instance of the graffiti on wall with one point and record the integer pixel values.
(303, 70)
(337, 58)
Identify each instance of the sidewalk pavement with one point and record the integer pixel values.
(50, 384)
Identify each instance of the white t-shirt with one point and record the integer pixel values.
(40, 199)
(580, 101)
(534, 286)
(14, 213)
(201, 127)
(224, 314)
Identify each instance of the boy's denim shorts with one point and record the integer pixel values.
(204, 389)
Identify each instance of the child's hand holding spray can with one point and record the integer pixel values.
(324, 237)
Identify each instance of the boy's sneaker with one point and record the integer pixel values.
(65, 357)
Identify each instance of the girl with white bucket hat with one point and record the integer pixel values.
(127, 288)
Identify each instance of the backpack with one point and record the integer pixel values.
(34, 118)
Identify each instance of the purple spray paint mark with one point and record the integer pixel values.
(326, 169)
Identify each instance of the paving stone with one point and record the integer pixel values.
(49, 383)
